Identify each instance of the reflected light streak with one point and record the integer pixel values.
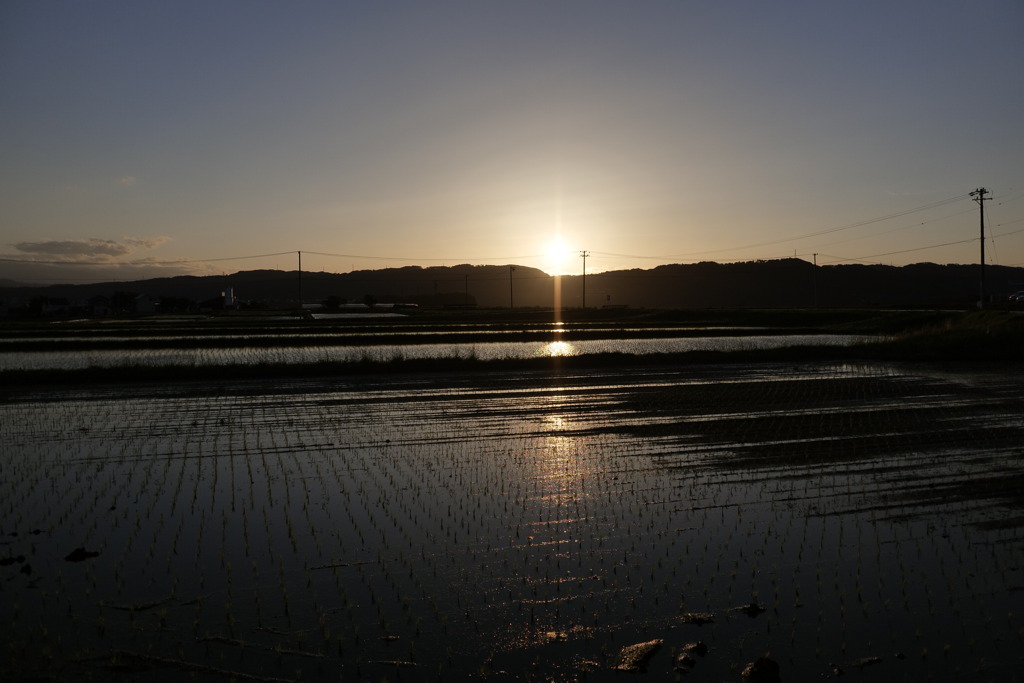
(559, 521)
(560, 463)
(556, 298)
(557, 349)
(555, 422)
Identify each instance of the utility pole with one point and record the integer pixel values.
(815, 279)
(979, 196)
(511, 304)
(300, 281)
(584, 254)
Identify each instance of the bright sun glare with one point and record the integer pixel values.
(558, 257)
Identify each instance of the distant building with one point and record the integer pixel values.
(225, 302)
(52, 305)
(145, 304)
(99, 305)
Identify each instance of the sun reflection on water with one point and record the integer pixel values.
(555, 422)
(557, 349)
(562, 583)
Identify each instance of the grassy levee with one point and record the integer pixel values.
(972, 336)
(985, 336)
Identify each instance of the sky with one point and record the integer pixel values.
(143, 138)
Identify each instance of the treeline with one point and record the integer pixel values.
(786, 283)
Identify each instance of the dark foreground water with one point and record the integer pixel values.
(517, 526)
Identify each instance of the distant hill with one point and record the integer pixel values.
(796, 283)
(756, 284)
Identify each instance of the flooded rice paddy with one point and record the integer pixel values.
(208, 356)
(864, 520)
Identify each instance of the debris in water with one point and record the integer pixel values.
(762, 670)
(837, 670)
(698, 618)
(688, 654)
(867, 661)
(685, 661)
(79, 554)
(634, 657)
(751, 610)
(142, 606)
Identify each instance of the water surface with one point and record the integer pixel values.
(517, 526)
(325, 352)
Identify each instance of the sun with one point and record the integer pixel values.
(558, 257)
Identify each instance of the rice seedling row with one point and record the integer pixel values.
(432, 528)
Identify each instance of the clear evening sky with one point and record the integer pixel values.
(144, 138)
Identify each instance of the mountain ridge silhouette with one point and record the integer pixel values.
(783, 283)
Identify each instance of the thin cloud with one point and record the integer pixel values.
(74, 250)
(90, 250)
(127, 180)
(146, 243)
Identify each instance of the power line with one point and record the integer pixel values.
(414, 260)
(852, 239)
(213, 260)
(607, 253)
(184, 261)
(840, 259)
(902, 227)
(848, 226)
(1012, 232)
(818, 233)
